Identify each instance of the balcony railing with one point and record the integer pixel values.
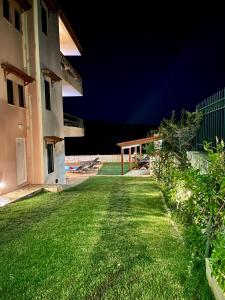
(73, 121)
(71, 77)
(68, 67)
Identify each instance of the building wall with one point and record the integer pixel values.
(11, 50)
(76, 159)
(13, 125)
(34, 121)
(53, 123)
(12, 117)
(30, 51)
(198, 160)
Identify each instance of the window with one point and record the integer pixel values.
(50, 158)
(44, 20)
(10, 91)
(47, 95)
(21, 95)
(6, 9)
(17, 20)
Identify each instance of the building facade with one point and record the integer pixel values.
(34, 77)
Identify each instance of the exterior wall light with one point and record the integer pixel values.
(2, 184)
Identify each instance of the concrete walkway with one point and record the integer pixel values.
(22, 193)
(31, 190)
(73, 181)
(137, 173)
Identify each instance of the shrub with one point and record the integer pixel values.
(217, 259)
(197, 199)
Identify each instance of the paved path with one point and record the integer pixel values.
(31, 190)
(137, 173)
(19, 194)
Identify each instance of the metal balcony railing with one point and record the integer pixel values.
(68, 67)
(73, 121)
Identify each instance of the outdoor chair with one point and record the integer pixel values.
(89, 167)
(73, 169)
(85, 168)
(144, 162)
(97, 161)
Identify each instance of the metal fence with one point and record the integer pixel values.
(213, 123)
(73, 121)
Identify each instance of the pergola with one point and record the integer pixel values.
(135, 144)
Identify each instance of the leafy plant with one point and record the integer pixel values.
(217, 259)
(178, 134)
(197, 199)
(149, 148)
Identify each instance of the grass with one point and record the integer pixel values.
(113, 169)
(108, 238)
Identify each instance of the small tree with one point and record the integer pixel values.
(177, 135)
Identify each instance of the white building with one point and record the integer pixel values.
(34, 78)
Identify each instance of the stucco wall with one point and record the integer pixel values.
(31, 51)
(13, 125)
(11, 50)
(34, 141)
(198, 160)
(103, 158)
(53, 123)
(12, 117)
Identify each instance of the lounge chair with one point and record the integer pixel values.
(144, 162)
(89, 167)
(84, 168)
(95, 161)
(73, 169)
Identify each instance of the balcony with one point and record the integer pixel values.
(71, 80)
(73, 126)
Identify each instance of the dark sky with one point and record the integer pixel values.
(142, 61)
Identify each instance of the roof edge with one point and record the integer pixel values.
(139, 141)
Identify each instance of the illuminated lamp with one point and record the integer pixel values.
(2, 184)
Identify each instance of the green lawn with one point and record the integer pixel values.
(113, 169)
(108, 238)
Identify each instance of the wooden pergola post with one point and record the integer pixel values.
(122, 164)
(134, 144)
(135, 151)
(140, 151)
(130, 158)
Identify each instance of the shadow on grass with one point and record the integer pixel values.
(119, 260)
(24, 215)
(113, 255)
(129, 263)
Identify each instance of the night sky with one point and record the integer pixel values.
(139, 62)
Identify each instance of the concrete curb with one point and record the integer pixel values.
(216, 289)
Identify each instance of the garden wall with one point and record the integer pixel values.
(104, 158)
(198, 160)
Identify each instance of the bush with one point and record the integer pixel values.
(217, 259)
(197, 200)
